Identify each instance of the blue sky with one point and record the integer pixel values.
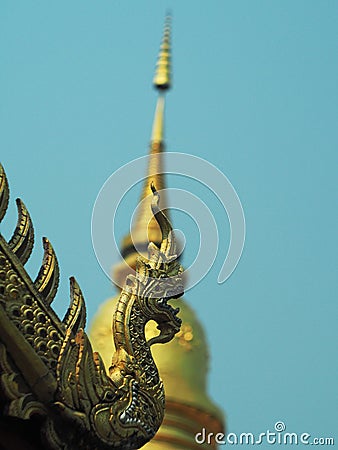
(255, 93)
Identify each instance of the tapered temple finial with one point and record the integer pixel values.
(162, 78)
(145, 227)
(162, 82)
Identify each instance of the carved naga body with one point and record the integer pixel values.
(47, 365)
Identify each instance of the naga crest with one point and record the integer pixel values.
(48, 369)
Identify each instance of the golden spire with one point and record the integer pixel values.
(162, 78)
(145, 228)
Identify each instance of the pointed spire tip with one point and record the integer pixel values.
(162, 78)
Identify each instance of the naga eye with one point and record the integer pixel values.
(108, 395)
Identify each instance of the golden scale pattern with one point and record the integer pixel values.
(47, 364)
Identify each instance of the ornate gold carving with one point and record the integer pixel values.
(21, 402)
(4, 193)
(48, 366)
(47, 281)
(22, 240)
